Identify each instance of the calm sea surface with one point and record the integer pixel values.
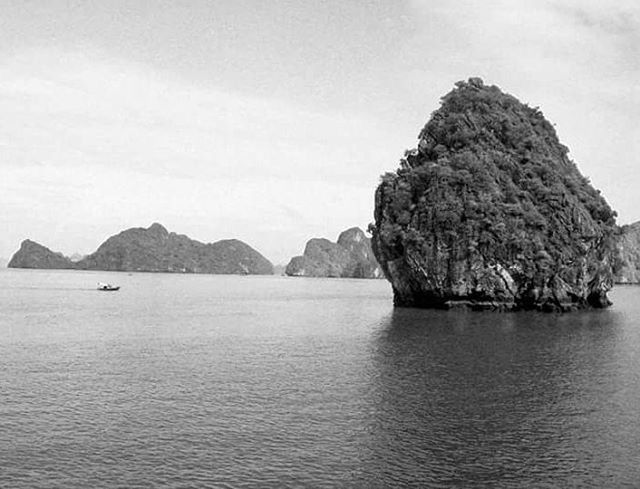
(223, 381)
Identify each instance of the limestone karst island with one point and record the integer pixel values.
(489, 212)
(350, 257)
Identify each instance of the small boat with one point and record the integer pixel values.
(108, 287)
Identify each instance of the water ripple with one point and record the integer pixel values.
(233, 382)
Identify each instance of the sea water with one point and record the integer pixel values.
(227, 381)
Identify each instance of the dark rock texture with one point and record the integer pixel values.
(350, 257)
(34, 255)
(628, 269)
(489, 212)
(156, 250)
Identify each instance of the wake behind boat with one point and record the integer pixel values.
(108, 287)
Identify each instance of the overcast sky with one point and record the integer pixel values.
(271, 121)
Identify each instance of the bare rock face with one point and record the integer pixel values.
(359, 246)
(489, 212)
(350, 257)
(322, 258)
(34, 255)
(628, 269)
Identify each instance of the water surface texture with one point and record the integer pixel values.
(225, 381)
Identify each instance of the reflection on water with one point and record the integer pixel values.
(524, 399)
(204, 381)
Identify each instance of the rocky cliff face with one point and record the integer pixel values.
(489, 212)
(156, 250)
(34, 255)
(359, 246)
(628, 269)
(351, 256)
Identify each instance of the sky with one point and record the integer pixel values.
(271, 122)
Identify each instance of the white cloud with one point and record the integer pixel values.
(105, 142)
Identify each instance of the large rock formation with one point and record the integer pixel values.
(34, 255)
(156, 250)
(351, 256)
(489, 212)
(359, 246)
(628, 269)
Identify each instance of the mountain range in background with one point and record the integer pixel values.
(152, 250)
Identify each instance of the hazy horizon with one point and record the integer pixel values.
(272, 122)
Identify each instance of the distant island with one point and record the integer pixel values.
(628, 265)
(153, 249)
(350, 257)
(489, 212)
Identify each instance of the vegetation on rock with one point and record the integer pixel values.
(34, 255)
(489, 211)
(156, 250)
(351, 257)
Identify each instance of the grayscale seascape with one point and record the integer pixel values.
(232, 381)
(359, 244)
